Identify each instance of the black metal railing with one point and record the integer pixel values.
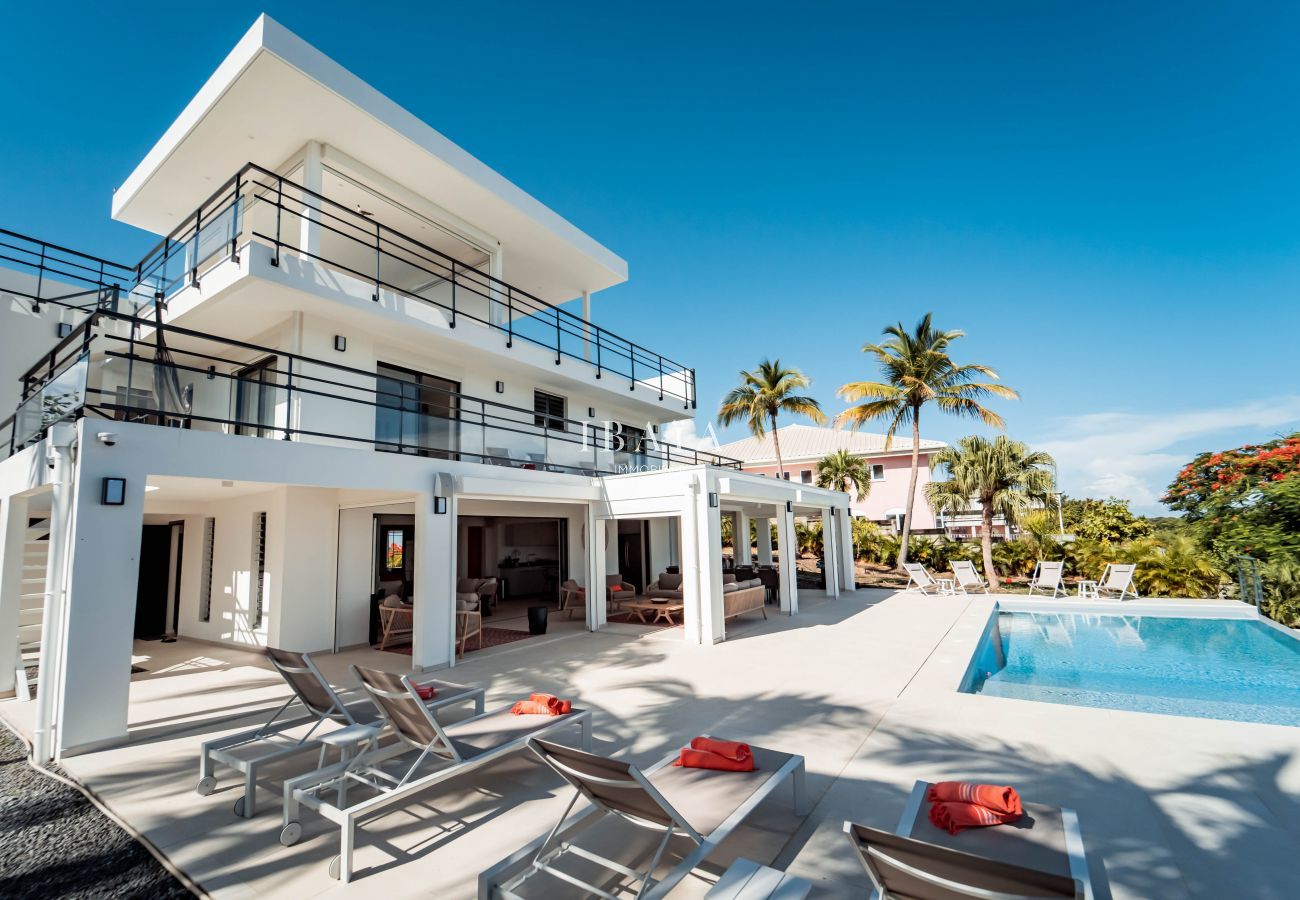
(126, 367)
(54, 269)
(257, 205)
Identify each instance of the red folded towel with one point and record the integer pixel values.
(704, 759)
(999, 799)
(530, 708)
(733, 750)
(426, 691)
(955, 817)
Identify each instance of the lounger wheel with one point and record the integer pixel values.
(239, 807)
(207, 784)
(290, 834)
(336, 864)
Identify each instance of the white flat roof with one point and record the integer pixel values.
(275, 92)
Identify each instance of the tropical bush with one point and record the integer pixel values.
(1282, 592)
(1104, 522)
(1014, 559)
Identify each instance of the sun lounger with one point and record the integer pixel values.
(916, 574)
(699, 806)
(967, 578)
(279, 738)
(435, 752)
(1047, 577)
(1117, 582)
(1042, 855)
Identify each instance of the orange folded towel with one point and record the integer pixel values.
(556, 705)
(955, 817)
(542, 705)
(691, 758)
(999, 799)
(733, 750)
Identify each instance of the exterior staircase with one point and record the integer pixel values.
(32, 611)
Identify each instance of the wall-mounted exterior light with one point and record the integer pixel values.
(212, 372)
(440, 506)
(713, 500)
(64, 329)
(789, 506)
(112, 492)
(591, 412)
(340, 343)
(501, 387)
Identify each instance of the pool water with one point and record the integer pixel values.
(1240, 670)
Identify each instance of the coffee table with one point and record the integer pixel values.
(662, 611)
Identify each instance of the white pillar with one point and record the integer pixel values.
(586, 322)
(764, 526)
(93, 688)
(312, 180)
(848, 570)
(303, 530)
(433, 644)
(13, 541)
(740, 539)
(789, 547)
(596, 612)
(702, 618)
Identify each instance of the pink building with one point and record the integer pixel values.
(803, 445)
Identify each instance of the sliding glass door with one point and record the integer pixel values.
(416, 413)
(255, 398)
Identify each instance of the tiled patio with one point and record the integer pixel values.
(863, 686)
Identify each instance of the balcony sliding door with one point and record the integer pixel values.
(416, 413)
(255, 399)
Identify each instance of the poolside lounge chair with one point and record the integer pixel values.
(1048, 577)
(907, 868)
(965, 577)
(916, 574)
(1117, 582)
(439, 753)
(280, 738)
(700, 805)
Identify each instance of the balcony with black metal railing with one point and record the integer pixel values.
(124, 367)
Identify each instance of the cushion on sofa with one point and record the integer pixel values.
(467, 585)
(728, 577)
(670, 582)
(729, 587)
(663, 594)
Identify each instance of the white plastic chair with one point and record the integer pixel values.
(1117, 581)
(963, 571)
(916, 574)
(1048, 577)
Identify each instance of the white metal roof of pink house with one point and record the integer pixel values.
(808, 442)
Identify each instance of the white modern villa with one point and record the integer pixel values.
(357, 362)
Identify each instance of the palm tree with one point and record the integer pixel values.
(918, 370)
(761, 394)
(1004, 475)
(845, 471)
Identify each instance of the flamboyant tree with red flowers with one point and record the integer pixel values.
(1245, 500)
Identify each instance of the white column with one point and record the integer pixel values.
(312, 180)
(433, 644)
(702, 618)
(740, 539)
(13, 540)
(596, 611)
(303, 526)
(98, 622)
(586, 321)
(764, 526)
(789, 547)
(848, 571)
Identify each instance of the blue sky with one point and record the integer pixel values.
(1104, 196)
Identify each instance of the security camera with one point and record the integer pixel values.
(107, 438)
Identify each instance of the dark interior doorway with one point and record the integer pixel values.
(474, 551)
(634, 552)
(151, 595)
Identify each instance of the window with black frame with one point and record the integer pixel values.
(548, 411)
(416, 413)
(635, 444)
(255, 388)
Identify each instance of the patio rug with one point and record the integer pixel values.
(492, 637)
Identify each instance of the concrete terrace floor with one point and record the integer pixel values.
(863, 686)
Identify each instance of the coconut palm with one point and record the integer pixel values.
(1002, 474)
(764, 392)
(845, 471)
(918, 370)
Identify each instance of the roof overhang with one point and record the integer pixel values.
(275, 92)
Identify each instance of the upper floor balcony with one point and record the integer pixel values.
(119, 366)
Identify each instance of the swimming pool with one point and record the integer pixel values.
(1233, 669)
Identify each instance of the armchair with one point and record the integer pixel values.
(469, 620)
(617, 590)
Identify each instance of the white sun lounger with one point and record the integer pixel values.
(280, 738)
(700, 805)
(1117, 582)
(916, 574)
(383, 774)
(966, 577)
(1048, 577)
